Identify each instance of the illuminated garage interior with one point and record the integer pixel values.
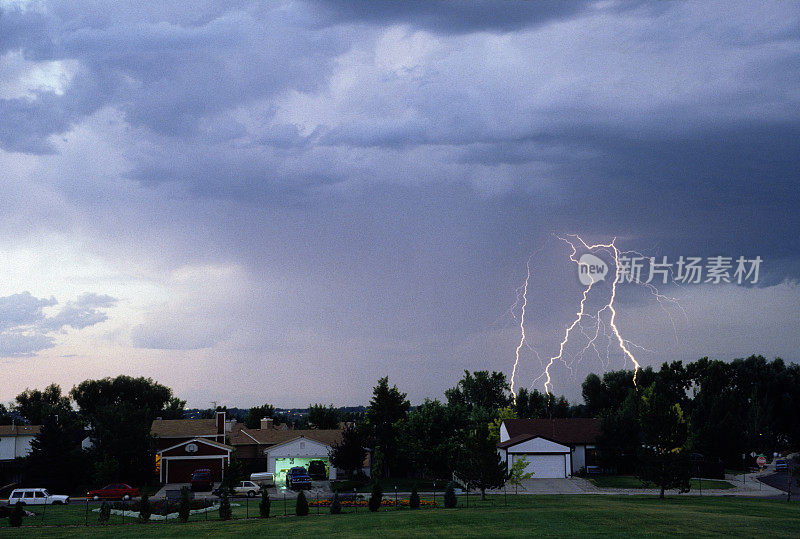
(299, 451)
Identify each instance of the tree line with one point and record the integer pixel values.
(720, 409)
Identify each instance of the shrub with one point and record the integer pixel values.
(105, 512)
(185, 505)
(224, 506)
(450, 499)
(301, 509)
(15, 519)
(377, 496)
(413, 501)
(336, 505)
(145, 509)
(263, 507)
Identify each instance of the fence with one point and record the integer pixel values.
(87, 513)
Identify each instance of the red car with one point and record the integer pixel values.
(114, 491)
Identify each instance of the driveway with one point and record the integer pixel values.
(571, 485)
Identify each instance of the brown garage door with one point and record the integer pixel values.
(180, 470)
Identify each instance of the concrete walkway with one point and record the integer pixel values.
(750, 487)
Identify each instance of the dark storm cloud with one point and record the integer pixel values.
(452, 17)
(382, 170)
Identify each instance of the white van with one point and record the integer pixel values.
(36, 496)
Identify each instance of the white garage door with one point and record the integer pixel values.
(544, 466)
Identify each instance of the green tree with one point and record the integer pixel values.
(120, 412)
(663, 459)
(450, 499)
(264, 505)
(57, 460)
(504, 413)
(430, 438)
(15, 519)
(256, 414)
(185, 505)
(376, 497)
(105, 513)
(336, 505)
(5, 416)
(224, 506)
(174, 409)
(413, 500)
(323, 417)
(35, 405)
(145, 508)
(480, 465)
(517, 473)
(484, 390)
(349, 453)
(231, 473)
(387, 408)
(301, 508)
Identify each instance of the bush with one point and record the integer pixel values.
(15, 520)
(301, 509)
(377, 496)
(105, 512)
(336, 505)
(224, 506)
(145, 509)
(413, 501)
(263, 507)
(450, 499)
(185, 505)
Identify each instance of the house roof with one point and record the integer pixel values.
(178, 428)
(577, 430)
(20, 430)
(241, 435)
(213, 443)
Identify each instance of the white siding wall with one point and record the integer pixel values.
(504, 437)
(7, 451)
(578, 458)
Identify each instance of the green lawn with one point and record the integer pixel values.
(629, 481)
(570, 516)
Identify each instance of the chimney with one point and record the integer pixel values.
(220, 417)
(266, 423)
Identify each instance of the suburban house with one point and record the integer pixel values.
(277, 449)
(557, 447)
(185, 445)
(15, 440)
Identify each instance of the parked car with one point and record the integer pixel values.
(247, 488)
(298, 478)
(782, 465)
(201, 480)
(36, 496)
(114, 491)
(317, 469)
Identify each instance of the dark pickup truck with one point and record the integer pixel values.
(298, 478)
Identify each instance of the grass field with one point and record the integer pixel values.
(629, 481)
(569, 516)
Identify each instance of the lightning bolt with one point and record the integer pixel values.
(609, 305)
(521, 327)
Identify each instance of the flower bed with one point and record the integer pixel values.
(386, 502)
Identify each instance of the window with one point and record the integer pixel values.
(16, 495)
(27, 494)
(302, 445)
(39, 494)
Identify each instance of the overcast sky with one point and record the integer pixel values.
(284, 201)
